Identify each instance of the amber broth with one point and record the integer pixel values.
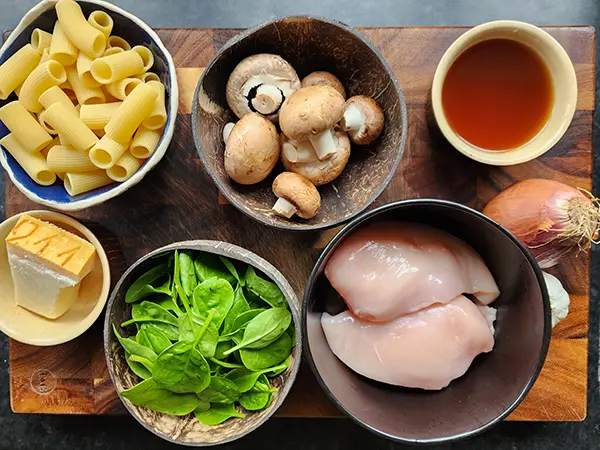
(498, 94)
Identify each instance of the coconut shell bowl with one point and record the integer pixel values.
(308, 44)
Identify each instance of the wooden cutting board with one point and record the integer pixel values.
(178, 201)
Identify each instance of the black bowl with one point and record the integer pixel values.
(495, 383)
(308, 44)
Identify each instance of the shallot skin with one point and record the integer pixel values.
(549, 217)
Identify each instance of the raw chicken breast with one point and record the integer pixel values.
(388, 269)
(426, 349)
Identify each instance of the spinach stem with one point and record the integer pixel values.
(207, 322)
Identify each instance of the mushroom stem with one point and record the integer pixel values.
(324, 144)
(268, 99)
(299, 151)
(227, 131)
(354, 118)
(284, 208)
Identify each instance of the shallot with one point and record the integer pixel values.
(549, 217)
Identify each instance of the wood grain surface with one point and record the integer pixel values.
(177, 201)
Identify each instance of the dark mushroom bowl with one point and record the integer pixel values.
(187, 430)
(494, 384)
(308, 44)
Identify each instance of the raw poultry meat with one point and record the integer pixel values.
(388, 269)
(426, 349)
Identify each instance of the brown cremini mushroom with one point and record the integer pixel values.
(261, 83)
(323, 172)
(320, 78)
(295, 195)
(227, 130)
(252, 149)
(311, 113)
(362, 120)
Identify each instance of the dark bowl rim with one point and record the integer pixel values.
(393, 168)
(358, 221)
(242, 255)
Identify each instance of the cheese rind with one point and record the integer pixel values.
(52, 246)
(47, 265)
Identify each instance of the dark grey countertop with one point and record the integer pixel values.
(122, 432)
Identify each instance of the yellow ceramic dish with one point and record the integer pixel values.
(563, 79)
(30, 328)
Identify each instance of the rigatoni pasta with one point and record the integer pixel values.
(145, 142)
(33, 163)
(124, 168)
(61, 48)
(101, 21)
(97, 116)
(70, 127)
(40, 40)
(65, 158)
(16, 69)
(86, 103)
(107, 152)
(146, 55)
(118, 66)
(41, 79)
(86, 38)
(117, 41)
(84, 70)
(78, 183)
(132, 112)
(158, 116)
(24, 127)
(85, 95)
(122, 88)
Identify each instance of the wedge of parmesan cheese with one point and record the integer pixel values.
(47, 265)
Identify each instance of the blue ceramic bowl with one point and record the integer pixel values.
(135, 32)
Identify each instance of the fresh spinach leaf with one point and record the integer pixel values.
(143, 361)
(168, 330)
(232, 270)
(203, 406)
(178, 289)
(218, 414)
(239, 306)
(133, 348)
(220, 390)
(169, 304)
(150, 312)
(255, 401)
(149, 395)
(208, 344)
(139, 369)
(240, 322)
(221, 348)
(214, 294)
(153, 338)
(155, 281)
(244, 379)
(181, 368)
(271, 355)
(278, 370)
(264, 329)
(267, 291)
(291, 332)
(263, 385)
(209, 266)
(187, 273)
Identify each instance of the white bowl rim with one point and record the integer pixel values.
(91, 318)
(118, 189)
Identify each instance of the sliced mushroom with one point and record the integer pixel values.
(320, 78)
(362, 120)
(295, 195)
(261, 83)
(252, 149)
(323, 172)
(311, 113)
(298, 151)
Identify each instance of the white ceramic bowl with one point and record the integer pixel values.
(135, 32)
(29, 328)
(564, 82)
